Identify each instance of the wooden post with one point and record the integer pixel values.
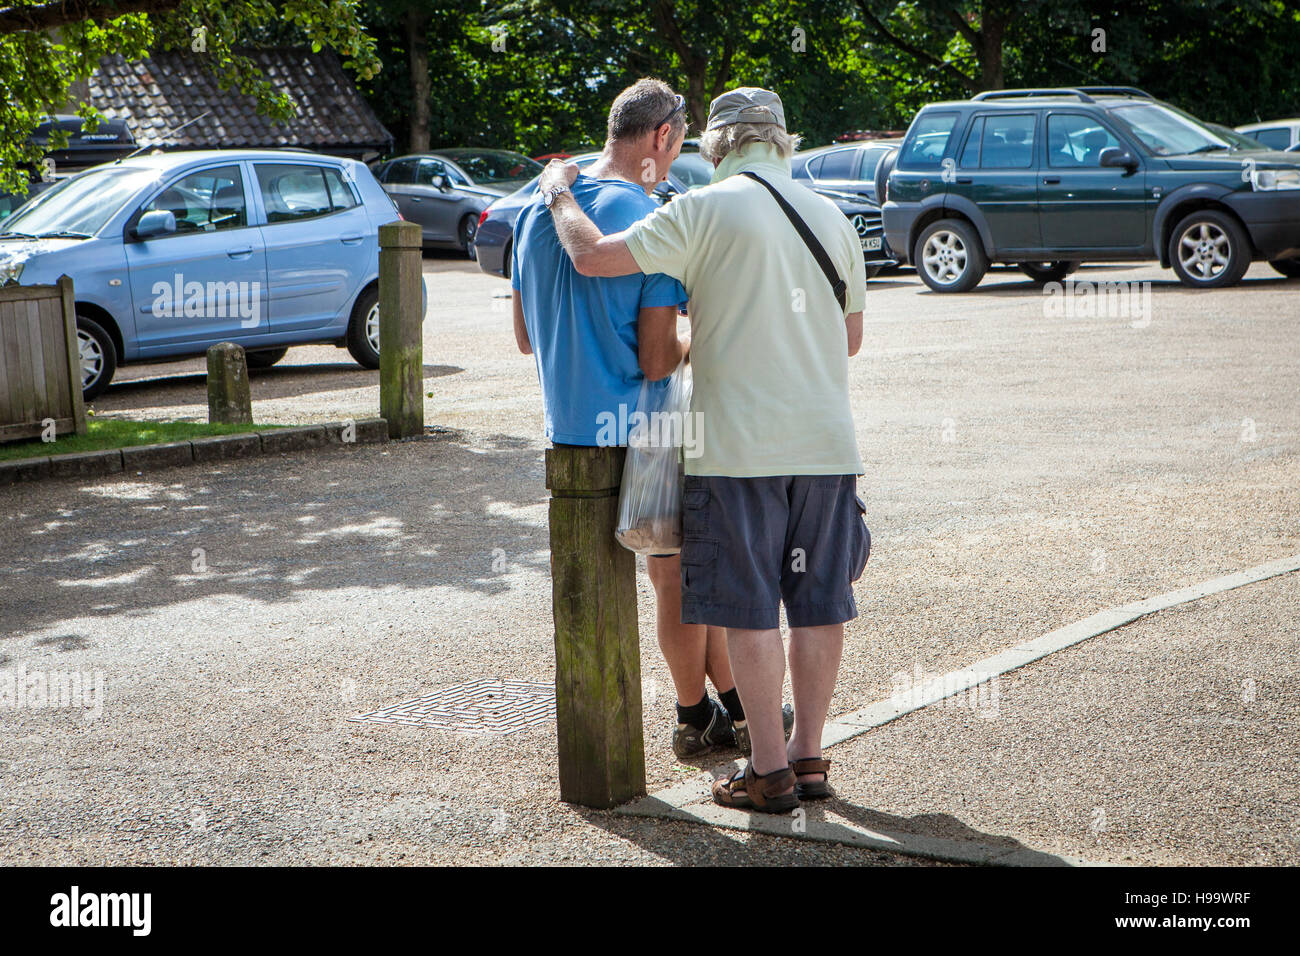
(401, 320)
(597, 651)
(228, 395)
(69, 304)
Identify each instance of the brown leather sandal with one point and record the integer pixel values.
(746, 790)
(817, 789)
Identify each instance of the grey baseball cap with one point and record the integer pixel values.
(746, 104)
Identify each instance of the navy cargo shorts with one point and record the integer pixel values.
(749, 544)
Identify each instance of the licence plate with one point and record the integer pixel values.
(871, 243)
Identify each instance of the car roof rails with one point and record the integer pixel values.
(1010, 94)
(1116, 91)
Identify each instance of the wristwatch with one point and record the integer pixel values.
(548, 197)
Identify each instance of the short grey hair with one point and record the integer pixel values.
(643, 107)
(715, 144)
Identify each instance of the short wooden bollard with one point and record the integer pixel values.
(229, 400)
(401, 320)
(597, 652)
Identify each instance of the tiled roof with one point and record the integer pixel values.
(171, 88)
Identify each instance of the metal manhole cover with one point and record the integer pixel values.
(483, 706)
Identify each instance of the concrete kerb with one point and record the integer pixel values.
(691, 800)
(209, 448)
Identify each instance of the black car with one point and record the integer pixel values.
(844, 167)
(1049, 178)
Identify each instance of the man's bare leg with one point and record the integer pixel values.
(758, 663)
(685, 646)
(717, 663)
(814, 665)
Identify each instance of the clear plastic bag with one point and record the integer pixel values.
(650, 498)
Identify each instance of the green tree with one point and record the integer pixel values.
(47, 46)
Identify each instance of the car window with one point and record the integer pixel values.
(870, 160)
(1007, 141)
(927, 141)
(83, 203)
(400, 172)
(341, 194)
(838, 164)
(970, 154)
(1075, 140)
(206, 201)
(490, 166)
(693, 170)
(813, 167)
(1166, 131)
(1275, 137)
(429, 168)
(291, 191)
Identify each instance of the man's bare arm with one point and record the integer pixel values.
(593, 253)
(521, 330)
(853, 326)
(658, 349)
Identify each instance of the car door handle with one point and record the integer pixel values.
(416, 199)
(965, 180)
(350, 239)
(1051, 180)
(241, 253)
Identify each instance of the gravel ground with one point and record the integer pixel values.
(1022, 472)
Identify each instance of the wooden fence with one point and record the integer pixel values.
(40, 361)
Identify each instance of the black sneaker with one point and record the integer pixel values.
(742, 732)
(690, 741)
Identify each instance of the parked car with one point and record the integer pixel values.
(111, 139)
(866, 219)
(1279, 134)
(1049, 178)
(173, 252)
(494, 236)
(446, 191)
(844, 168)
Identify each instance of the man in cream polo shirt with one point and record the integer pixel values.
(771, 513)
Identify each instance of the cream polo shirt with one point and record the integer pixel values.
(769, 349)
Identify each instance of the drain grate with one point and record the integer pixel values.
(485, 706)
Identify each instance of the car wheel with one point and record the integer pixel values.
(1288, 267)
(1209, 250)
(1047, 271)
(505, 260)
(949, 256)
(363, 329)
(265, 358)
(465, 235)
(98, 357)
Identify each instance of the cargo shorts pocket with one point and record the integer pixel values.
(695, 509)
(699, 564)
(864, 540)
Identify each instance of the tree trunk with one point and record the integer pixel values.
(417, 47)
(992, 32)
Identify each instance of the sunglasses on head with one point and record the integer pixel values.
(681, 105)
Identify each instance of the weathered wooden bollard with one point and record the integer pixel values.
(401, 318)
(597, 652)
(229, 400)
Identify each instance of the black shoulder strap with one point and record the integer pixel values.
(838, 285)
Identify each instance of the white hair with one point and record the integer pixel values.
(715, 144)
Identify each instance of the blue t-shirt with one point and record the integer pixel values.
(582, 328)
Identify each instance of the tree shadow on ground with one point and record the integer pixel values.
(412, 515)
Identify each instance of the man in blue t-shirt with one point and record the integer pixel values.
(597, 340)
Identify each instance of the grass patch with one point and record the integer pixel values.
(120, 433)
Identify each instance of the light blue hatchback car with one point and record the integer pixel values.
(173, 252)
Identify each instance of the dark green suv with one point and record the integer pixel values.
(1047, 179)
